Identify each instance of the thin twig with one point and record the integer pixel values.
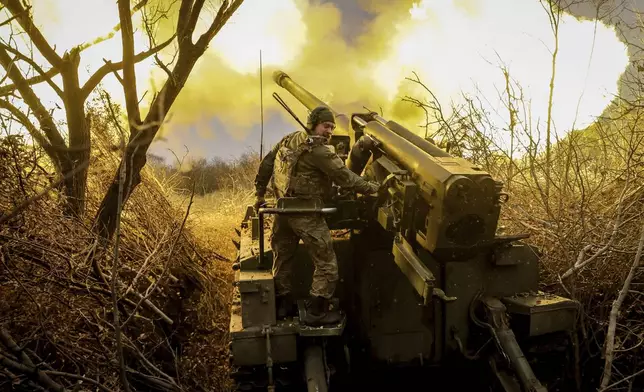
(77, 377)
(581, 263)
(39, 375)
(31, 200)
(614, 312)
(26, 366)
(151, 289)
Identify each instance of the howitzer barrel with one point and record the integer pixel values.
(416, 140)
(394, 144)
(462, 199)
(310, 101)
(411, 151)
(343, 123)
(422, 165)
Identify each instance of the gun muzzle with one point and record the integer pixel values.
(310, 101)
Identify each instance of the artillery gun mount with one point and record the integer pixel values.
(426, 284)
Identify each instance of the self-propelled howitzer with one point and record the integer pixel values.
(425, 279)
(461, 202)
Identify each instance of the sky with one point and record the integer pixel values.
(219, 140)
(457, 29)
(355, 53)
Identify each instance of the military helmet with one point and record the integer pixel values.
(319, 115)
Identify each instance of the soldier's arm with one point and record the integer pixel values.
(329, 162)
(265, 171)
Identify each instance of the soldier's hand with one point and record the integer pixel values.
(373, 188)
(259, 203)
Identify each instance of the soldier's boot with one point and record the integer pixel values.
(319, 312)
(285, 306)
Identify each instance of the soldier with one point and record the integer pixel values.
(303, 166)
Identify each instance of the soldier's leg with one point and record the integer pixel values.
(317, 238)
(284, 244)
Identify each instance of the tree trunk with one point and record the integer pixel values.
(140, 140)
(78, 154)
(141, 136)
(105, 221)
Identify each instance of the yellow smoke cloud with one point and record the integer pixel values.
(296, 36)
(458, 46)
(292, 35)
(454, 46)
(256, 27)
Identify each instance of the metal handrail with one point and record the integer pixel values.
(283, 211)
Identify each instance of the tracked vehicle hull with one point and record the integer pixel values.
(387, 330)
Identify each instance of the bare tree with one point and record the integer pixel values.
(69, 156)
(449, 128)
(143, 131)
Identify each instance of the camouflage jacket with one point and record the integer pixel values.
(303, 166)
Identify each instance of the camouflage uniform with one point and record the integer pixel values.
(302, 166)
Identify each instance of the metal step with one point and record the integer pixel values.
(323, 330)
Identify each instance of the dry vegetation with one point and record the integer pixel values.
(224, 188)
(57, 319)
(590, 228)
(128, 299)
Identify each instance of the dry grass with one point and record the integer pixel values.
(215, 216)
(57, 306)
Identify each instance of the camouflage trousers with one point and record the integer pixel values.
(314, 233)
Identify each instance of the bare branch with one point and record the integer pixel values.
(129, 76)
(581, 263)
(148, 24)
(31, 128)
(224, 13)
(554, 15)
(182, 21)
(21, 207)
(11, 19)
(636, 374)
(25, 365)
(106, 69)
(31, 99)
(154, 285)
(194, 18)
(29, 370)
(614, 312)
(77, 377)
(117, 323)
(24, 19)
(43, 75)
